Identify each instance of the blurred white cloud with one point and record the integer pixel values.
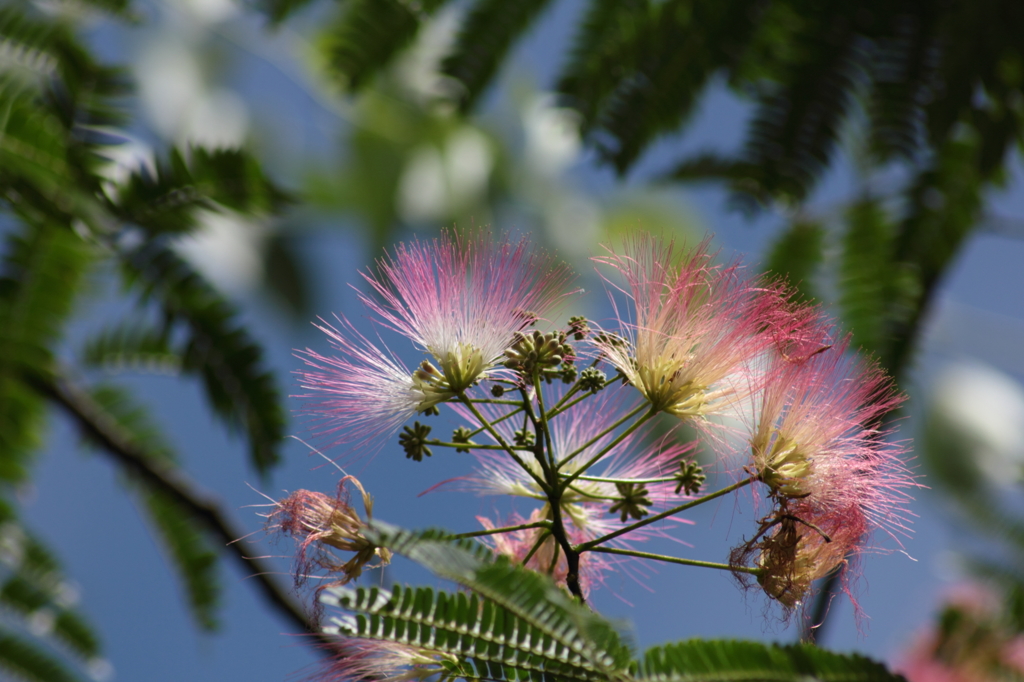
(986, 408)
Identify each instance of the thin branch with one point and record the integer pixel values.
(95, 423)
(506, 529)
(676, 560)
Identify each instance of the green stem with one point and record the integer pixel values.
(497, 421)
(560, 408)
(592, 496)
(601, 479)
(587, 546)
(608, 448)
(501, 441)
(575, 387)
(544, 426)
(676, 560)
(541, 537)
(471, 446)
(506, 529)
(495, 401)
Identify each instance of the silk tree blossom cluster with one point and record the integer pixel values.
(561, 418)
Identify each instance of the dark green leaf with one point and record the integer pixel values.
(193, 556)
(796, 125)
(735, 661)
(41, 274)
(132, 345)
(370, 33)
(166, 201)
(600, 55)
(30, 592)
(219, 349)
(279, 10)
(796, 256)
(904, 76)
(286, 274)
(685, 43)
(868, 273)
(27, 662)
(534, 598)
(485, 38)
(944, 206)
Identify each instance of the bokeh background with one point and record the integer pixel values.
(392, 165)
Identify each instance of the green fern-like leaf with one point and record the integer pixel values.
(25, 661)
(33, 144)
(868, 275)
(193, 556)
(797, 123)
(904, 75)
(41, 274)
(685, 43)
(218, 348)
(132, 345)
(165, 202)
(485, 38)
(944, 206)
(34, 590)
(279, 10)
(603, 53)
(369, 34)
(479, 632)
(735, 661)
(32, 594)
(796, 256)
(534, 599)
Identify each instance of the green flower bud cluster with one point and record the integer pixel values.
(634, 502)
(524, 438)
(462, 435)
(690, 478)
(414, 441)
(578, 327)
(533, 353)
(592, 379)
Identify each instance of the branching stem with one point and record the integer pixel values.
(98, 425)
(587, 546)
(608, 448)
(501, 441)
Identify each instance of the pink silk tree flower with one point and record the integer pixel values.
(816, 433)
(974, 641)
(364, 391)
(803, 543)
(586, 506)
(695, 325)
(318, 522)
(817, 444)
(368, 659)
(460, 298)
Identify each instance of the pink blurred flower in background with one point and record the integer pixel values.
(973, 642)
